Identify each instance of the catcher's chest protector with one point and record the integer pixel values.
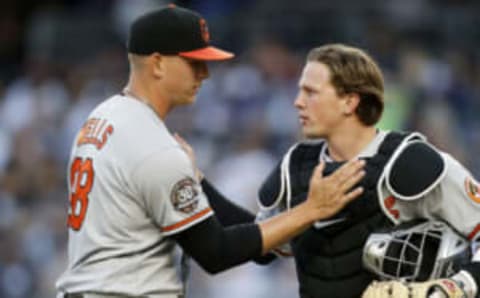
(329, 259)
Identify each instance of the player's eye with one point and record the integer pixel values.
(197, 65)
(309, 91)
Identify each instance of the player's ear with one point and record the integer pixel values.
(157, 65)
(351, 102)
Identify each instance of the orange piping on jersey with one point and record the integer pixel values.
(474, 232)
(187, 220)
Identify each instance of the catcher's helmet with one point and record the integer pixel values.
(421, 252)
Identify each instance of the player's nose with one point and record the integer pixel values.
(299, 103)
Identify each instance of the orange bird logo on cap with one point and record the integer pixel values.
(204, 31)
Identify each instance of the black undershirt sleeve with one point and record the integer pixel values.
(216, 248)
(229, 213)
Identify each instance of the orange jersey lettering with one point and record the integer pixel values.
(95, 132)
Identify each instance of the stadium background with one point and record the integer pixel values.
(60, 58)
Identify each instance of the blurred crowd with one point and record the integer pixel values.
(61, 58)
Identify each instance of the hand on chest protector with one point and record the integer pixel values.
(330, 194)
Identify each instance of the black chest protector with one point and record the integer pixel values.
(329, 259)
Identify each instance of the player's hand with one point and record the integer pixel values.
(438, 288)
(330, 194)
(191, 154)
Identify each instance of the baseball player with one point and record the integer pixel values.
(133, 194)
(339, 102)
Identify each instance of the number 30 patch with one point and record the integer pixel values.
(473, 189)
(184, 196)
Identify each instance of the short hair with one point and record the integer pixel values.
(352, 70)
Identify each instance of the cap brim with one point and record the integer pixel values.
(207, 54)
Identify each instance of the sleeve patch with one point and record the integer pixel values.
(184, 196)
(473, 189)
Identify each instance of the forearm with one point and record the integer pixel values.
(228, 213)
(281, 228)
(274, 231)
(216, 248)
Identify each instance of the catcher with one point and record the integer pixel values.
(339, 102)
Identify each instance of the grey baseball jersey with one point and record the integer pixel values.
(130, 187)
(462, 212)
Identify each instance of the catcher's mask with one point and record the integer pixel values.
(421, 252)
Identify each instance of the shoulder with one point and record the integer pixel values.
(138, 130)
(393, 140)
(164, 166)
(415, 168)
(164, 159)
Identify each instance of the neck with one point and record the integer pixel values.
(144, 93)
(348, 143)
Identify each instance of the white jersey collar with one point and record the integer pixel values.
(370, 150)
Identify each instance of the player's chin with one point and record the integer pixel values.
(310, 133)
(189, 99)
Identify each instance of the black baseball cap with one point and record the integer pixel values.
(173, 31)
